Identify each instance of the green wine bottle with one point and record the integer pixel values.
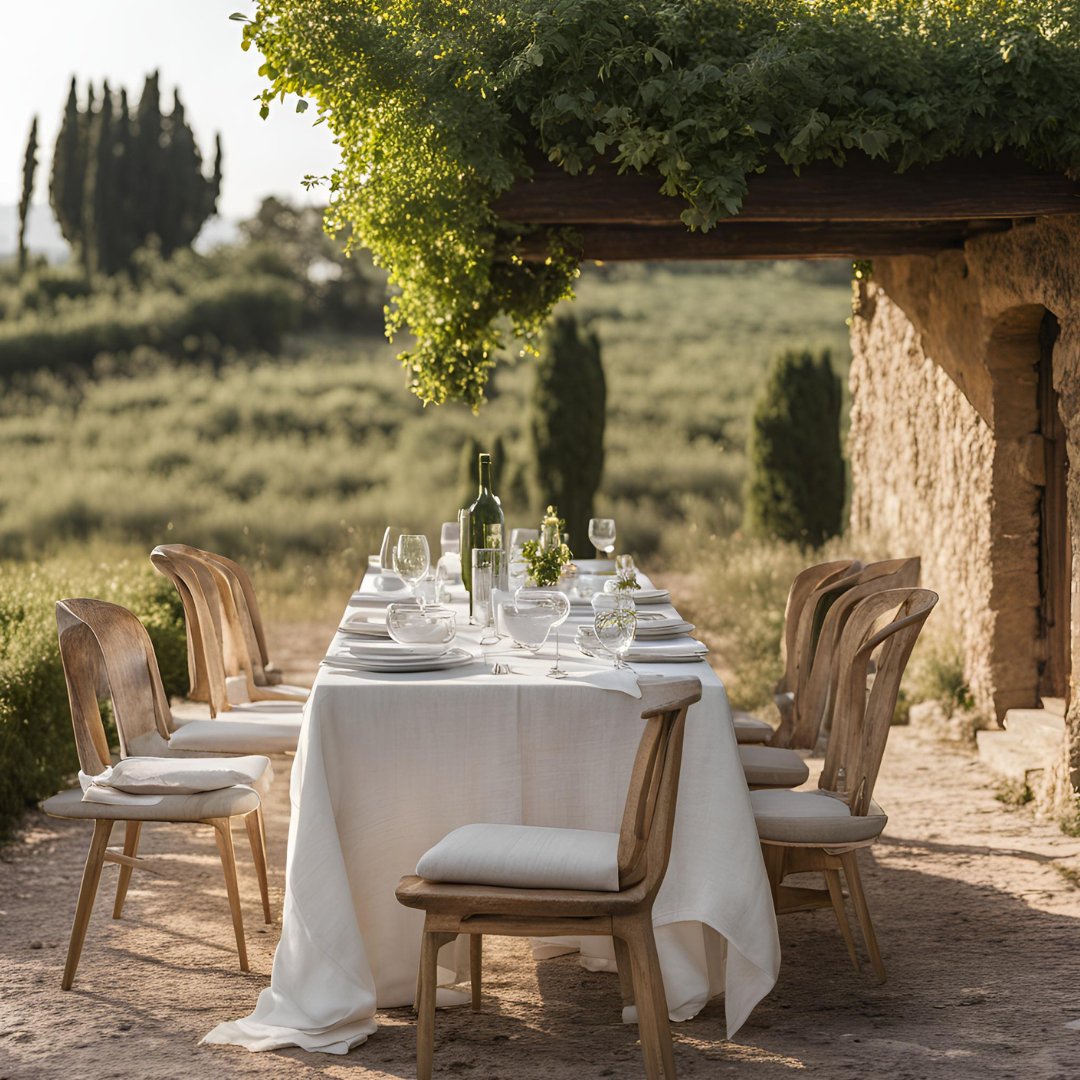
(486, 522)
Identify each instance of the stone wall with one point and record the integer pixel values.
(921, 476)
(946, 456)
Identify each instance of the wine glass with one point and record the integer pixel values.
(561, 604)
(602, 535)
(412, 560)
(529, 619)
(615, 631)
(387, 568)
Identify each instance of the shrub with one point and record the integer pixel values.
(253, 313)
(37, 749)
(796, 486)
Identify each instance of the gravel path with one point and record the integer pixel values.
(977, 908)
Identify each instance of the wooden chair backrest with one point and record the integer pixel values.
(862, 717)
(804, 585)
(198, 589)
(813, 703)
(649, 813)
(99, 639)
(244, 640)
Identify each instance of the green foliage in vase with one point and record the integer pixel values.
(795, 490)
(545, 563)
(438, 108)
(119, 179)
(569, 405)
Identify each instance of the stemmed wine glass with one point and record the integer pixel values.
(561, 605)
(602, 534)
(412, 560)
(615, 631)
(385, 581)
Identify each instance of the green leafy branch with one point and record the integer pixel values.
(436, 108)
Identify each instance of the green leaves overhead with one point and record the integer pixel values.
(436, 106)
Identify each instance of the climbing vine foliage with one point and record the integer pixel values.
(438, 105)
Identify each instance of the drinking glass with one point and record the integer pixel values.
(602, 535)
(412, 560)
(561, 603)
(488, 572)
(615, 631)
(387, 552)
(519, 537)
(528, 620)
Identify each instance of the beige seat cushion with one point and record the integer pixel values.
(225, 802)
(228, 736)
(773, 767)
(749, 729)
(809, 817)
(525, 857)
(185, 775)
(266, 710)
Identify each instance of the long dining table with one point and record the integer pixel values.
(388, 763)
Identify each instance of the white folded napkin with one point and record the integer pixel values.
(622, 680)
(375, 599)
(95, 789)
(150, 776)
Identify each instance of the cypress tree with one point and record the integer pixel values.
(119, 179)
(568, 413)
(795, 489)
(68, 178)
(100, 177)
(29, 169)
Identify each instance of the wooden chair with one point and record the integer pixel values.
(638, 856)
(750, 729)
(261, 727)
(237, 629)
(823, 619)
(105, 647)
(822, 831)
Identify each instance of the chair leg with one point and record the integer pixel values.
(258, 857)
(626, 971)
(858, 898)
(836, 895)
(774, 868)
(131, 847)
(223, 833)
(654, 1029)
(476, 964)
(430, 945)
(95, 858)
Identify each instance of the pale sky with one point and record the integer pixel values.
(195, 46)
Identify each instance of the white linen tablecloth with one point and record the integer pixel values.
(388, 764)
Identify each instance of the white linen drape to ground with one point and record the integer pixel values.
(389, 764)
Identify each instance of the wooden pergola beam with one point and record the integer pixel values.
(997, 187)
(737, 239)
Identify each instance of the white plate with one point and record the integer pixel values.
(648, 633)
(374, 650)
(657, 656)
(452, 658)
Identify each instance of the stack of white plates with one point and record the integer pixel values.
(683, 653)
(392, 657)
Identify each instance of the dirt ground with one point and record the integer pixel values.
(977, 908)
